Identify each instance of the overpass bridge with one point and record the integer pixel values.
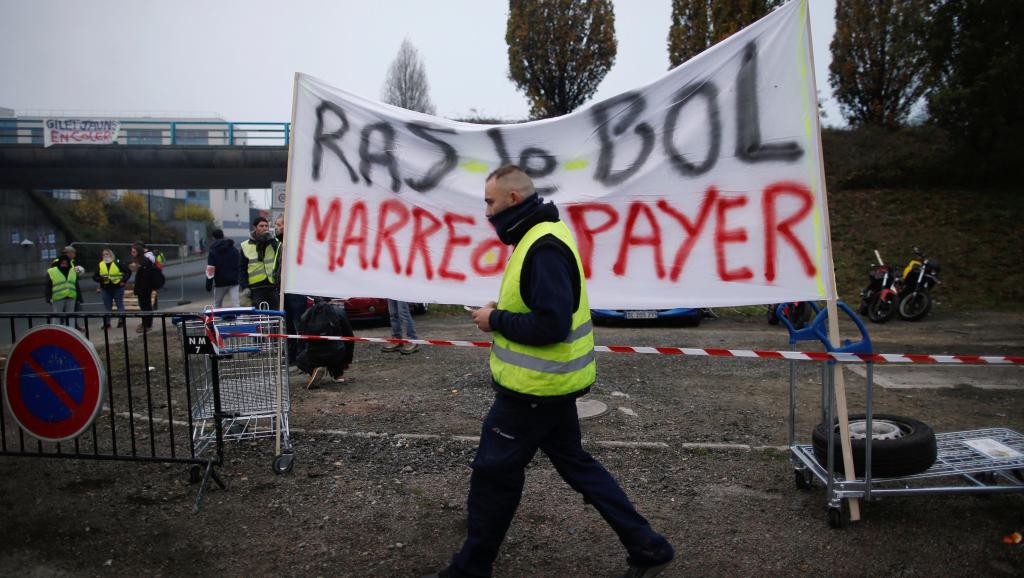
(148, 154)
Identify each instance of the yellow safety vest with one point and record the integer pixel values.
(111, 276)
(260, 270)
(63, 287)
(545, 370)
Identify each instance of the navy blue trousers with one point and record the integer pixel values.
(512, 432)
(294, 307)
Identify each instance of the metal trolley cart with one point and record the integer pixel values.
(982, 461)
(243, 380)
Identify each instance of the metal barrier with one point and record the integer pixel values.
(146, 416)
(168, 133)
(181, 263)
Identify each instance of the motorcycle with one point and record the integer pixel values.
(919, 276)
(798, 313)
(880, 299)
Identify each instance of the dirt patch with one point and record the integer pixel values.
(381, 472)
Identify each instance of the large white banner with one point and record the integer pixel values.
(703, 188)
(79, 131)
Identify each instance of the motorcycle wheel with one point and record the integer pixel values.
(864, 303)
(773, 319)
(798, 315)
(881, 310)
(915, 306)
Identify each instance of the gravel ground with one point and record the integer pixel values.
(382, 473)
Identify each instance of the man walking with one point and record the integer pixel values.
(542, 359)
(258, 264)
(224, 257)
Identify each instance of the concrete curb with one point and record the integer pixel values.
(613, 444)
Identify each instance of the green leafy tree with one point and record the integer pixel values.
(91, 210)
(559, 51)
(976, 54)
(698, 24)
(193, 213)
(134, 203)
(878, 59)
(406, 84)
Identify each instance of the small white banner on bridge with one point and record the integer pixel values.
(72, 131)
(704, 188)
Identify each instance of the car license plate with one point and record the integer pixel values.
(641, 314)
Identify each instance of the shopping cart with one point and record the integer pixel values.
(981, 461)
(243, 380)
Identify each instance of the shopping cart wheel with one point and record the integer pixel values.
(195, 474)
(802, 478)
(837, 517)
(284, 463)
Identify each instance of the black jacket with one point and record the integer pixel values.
(145, 277)
(224, 255)
(326, 319)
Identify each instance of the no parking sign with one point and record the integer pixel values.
(53, 383)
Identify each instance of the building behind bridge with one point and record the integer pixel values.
(31, 236)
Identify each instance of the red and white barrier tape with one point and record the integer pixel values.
(792, 355)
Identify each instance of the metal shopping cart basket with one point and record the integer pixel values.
(242, 379)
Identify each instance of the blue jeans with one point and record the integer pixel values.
(110, 296)
(399, 311)
(512, 432)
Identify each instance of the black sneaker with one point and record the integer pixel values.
(645, 571)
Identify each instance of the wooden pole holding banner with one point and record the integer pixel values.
(284, 261)
(288, 179)
(842, 414)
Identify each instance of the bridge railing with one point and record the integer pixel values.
(164, 133)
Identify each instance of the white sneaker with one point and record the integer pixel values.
(313, 378)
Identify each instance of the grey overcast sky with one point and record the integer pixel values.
(237, 58)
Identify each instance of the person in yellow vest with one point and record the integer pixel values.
(71, 254)
(542, 359)
(112, 277)
(62, 286)
(258, 264)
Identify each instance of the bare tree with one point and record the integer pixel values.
(406, 84)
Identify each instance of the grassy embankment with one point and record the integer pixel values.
(895, 191)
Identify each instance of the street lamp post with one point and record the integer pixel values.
(149, 213)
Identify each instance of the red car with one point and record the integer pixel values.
(370, 309)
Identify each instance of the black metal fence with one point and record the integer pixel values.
(146, 414)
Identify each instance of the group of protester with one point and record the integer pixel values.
(256, 265)
(64, 292)
(541, 360)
